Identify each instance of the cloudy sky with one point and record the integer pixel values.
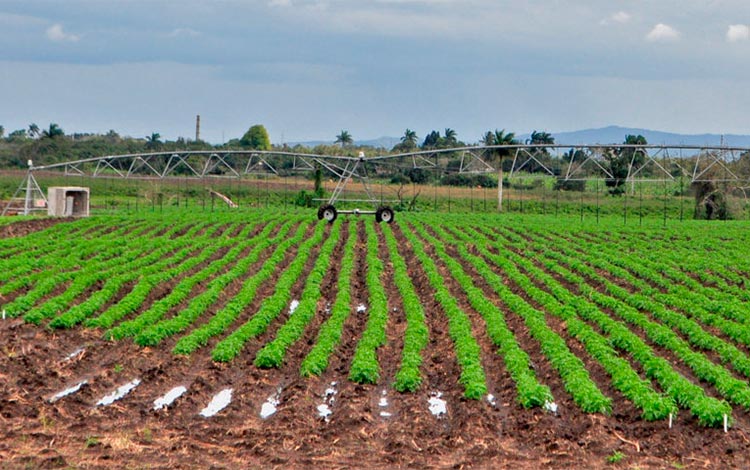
(307, 69)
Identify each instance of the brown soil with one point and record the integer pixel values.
(73, 432)
(25, 227)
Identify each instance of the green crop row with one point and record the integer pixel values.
(709, 411)
(110, 257)
(234, 308)
(564, 305)
(529, 391)
(198, 248)
(274, 352)
(154, 334)
(329, 336)
(467, 349)
(416, 336)
(231, 346)
(182, 291)
(365, 367)
(150, 252)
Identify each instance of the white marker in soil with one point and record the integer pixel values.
(67, 391)
(271, 405)
(169, 398)
(383, 403)
(551, 406)
(74, 354)
(438, 406)
(220, 401)
(324, 409)
(120, 393)
(491, 400)
(361, 308)
(293, 306)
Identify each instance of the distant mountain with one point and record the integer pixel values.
(616, 135)
(604, 135)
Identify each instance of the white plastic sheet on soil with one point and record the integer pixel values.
(361, 308)
(324, 409)
(271, 405)
(169, 398)
(551, 406)
(438, 406)
(293, 306)
(220, 401)
(491, 400)
(68, 391)
(120, 393)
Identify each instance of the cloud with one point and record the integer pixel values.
(57, 34)
(663, 33)
(738, 32)
(280, 3)
(621, 17)
(184, 32)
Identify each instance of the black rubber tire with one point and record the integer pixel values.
(329, 213)
(320, 212)
(384, 214)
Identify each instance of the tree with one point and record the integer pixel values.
(153, 141)
(256, 138)
(345, 139)
(34, 131)
(450, 138)
(2, 132)
(409, 139)
(622, 160)
(499, 137)
(54, 131)
(431, 140)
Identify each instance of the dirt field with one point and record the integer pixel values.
(73, 432)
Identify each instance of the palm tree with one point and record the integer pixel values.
(542, 137)
(499, 137)
(409, 140)
(344, 139)
(153, 141)
(450, 137)
(33, 130)
(53, 131)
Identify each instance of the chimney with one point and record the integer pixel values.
(198, 128)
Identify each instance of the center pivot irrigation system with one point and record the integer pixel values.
(647, 163)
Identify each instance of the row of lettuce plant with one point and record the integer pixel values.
(42, 269)
(231, 346)
(530, 392)
(627, 306)
(365, 367)
(678, 296)
(416, 336)
(197, 250)
(468, 352)
(224, 318)
(708, 410)
(564, 305)
(111, 256)
(202, 302)
(149, 252)
(185, 287)
(274, 352)
(329, 336)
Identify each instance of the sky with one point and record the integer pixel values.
(307, 69)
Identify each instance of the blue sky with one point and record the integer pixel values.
(307, 69)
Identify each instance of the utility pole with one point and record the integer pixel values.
(198, 128)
